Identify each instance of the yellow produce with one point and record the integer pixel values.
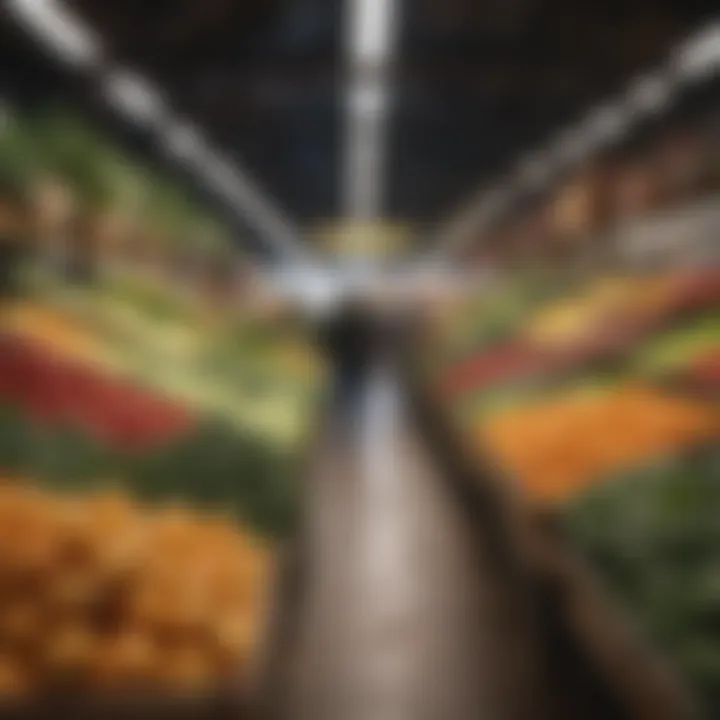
(55, 330)
(579, 316)
(99, 593)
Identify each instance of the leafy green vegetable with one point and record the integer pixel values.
(213, 466)
(654, 536)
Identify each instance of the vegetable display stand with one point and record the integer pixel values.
(596, 663)
(131, 631)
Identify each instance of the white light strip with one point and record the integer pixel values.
(371, 30)
(605, 125)
(697, 58)
(365, 150)
(650, 94)
(59, 29)
(141, 103)
(135, 98)
(571, 147)
(535, 170)
(183, 141)
(370, 42)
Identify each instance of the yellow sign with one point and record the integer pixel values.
(370, 239)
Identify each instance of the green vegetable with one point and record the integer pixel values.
(654, 536)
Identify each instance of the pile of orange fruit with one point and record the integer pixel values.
(100, 594)
(54, 330)
(559, 446)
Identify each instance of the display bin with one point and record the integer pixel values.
(86, 411)
(553, 442)
(598, 662)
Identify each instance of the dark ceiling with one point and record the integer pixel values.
(477, 83)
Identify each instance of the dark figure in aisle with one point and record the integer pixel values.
(350, 340)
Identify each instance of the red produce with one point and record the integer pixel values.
(707, 368)
(57, 391)
(698, 290)
(511, 361)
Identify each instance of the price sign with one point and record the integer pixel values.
(364, 240)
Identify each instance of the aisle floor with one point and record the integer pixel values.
(397, 623)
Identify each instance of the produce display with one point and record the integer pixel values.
(594, 384)
(654, 537)
(678, 349)
(508, 361)
(604, 303)
(98, 593)
(129, 360)
(263, 390)
(68, 417)
(706, 369)
(560, 446)
(602, 408)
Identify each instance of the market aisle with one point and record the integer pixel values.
(398, 623)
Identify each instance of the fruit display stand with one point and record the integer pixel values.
(122, 419)
(113, 608)
(597, 664)
(592, 414)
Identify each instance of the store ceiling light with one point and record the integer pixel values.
(699, 57)
(571, 147)
(650, 94)
(535, 170)
(696, 59)
(368, 100)
(371, 28)
(59, 30)
(606, 125)
(183, 141)
(223, 178)
(134, 97)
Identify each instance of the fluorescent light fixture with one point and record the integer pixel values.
(368, 100)
(371, 28)
(571, 146)
(535, 170)
(651, 93)
(699, 57)
(370, 45)
(134, 97)
(223, 177)
(606, 125)
(696, 59)
(58, 29)
(183, 141)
